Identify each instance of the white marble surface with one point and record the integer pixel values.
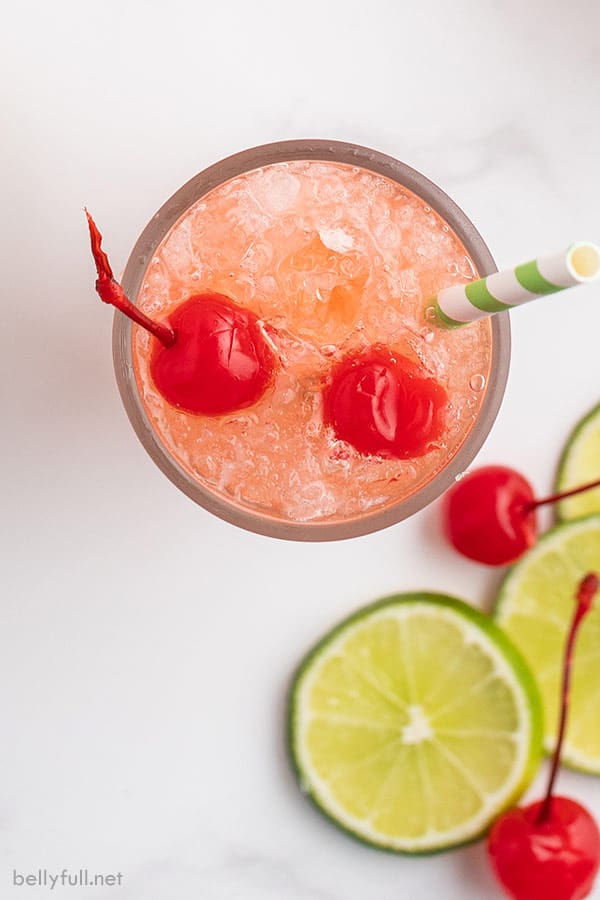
(145, 646)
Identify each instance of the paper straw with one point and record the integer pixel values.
(463, 303)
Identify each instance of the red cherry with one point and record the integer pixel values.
(220, 361)
(550, 850)
(555, 859)
(384, 404)
(210, 358)
(489, 515)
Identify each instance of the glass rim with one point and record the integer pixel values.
(243, 516)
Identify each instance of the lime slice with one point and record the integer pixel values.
(535, 606)
(579, 464)
(414, 723)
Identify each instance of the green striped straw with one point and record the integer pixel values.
(464, 303)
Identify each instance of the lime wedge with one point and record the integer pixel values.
(579, 464)
(414, 723)
(535, 606)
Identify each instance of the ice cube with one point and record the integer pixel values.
(275, 190)
(336, 239)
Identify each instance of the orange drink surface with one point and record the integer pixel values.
(334, 260)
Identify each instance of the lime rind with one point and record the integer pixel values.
(508, 661)
(569, 474)
(552, 542)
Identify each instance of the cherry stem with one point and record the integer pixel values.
(110, 291)
(554, 498)
(586, 592)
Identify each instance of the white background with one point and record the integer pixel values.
(145, 646)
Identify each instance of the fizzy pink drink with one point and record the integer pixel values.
(334, 259)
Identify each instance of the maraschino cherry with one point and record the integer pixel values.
(490, 514)
(385, 405)
(210, 358)
(550, 850)
(220, 361)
